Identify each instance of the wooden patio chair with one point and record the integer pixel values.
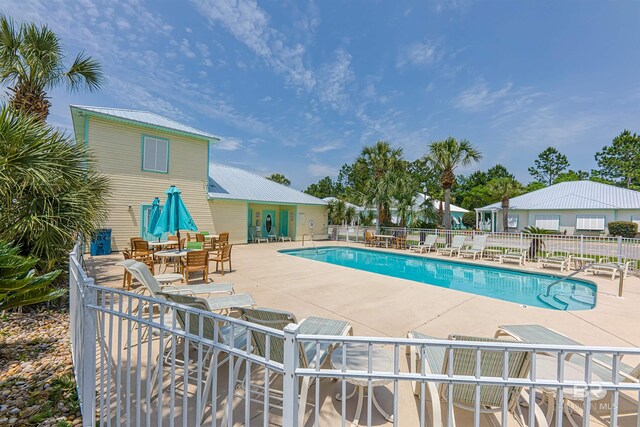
(141, 249)
(133, 239)
(223, 255)
(196, 261)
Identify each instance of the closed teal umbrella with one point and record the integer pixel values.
(154, 216)
(174, 216)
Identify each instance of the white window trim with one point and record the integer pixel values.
(547, 218)
(586, 222)
(145, 150)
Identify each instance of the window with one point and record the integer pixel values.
(548, 222)
(513, 221)
(590, 222)
(636, 219)
(155, 154)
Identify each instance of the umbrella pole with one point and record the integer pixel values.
(178, 234)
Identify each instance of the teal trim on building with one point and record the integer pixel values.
(168, 153)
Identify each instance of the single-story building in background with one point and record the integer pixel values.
(574, 207)
(456, 212)
(143, 154)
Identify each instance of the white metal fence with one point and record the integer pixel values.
(596, 247)
(143, 361)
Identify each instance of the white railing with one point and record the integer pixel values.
(144, 361)
(595, 247)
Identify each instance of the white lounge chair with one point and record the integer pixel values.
(436, 361)
(151, 283)
(476, 249)
(428, 244)
(551, 260)
(518, 256)
(454, 248)
(608, 266)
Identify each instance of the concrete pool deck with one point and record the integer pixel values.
(378, 305)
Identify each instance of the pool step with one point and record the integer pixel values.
(552, 302)
(577, 301)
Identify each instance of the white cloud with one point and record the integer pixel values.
(228, 144)
(321, 170)
(479, 96)
(325, 147)
(249, 24)
(335, 78)
(185, 48)
(420, 54)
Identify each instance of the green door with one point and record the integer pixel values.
(145, 214)
(268, 223)
(284, 222)
(251, 229)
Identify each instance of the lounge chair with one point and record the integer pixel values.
(428, 244)
(608, 266)
(235, 337)
(436, 361)
(476, 249)
(518, 256)
(154, 286)
(454, 248)
(277, 319)
(538, 334)
(550, 260)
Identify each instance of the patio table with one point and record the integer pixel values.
(172, 253)
(387, 239)
(357, 360)
(162, 244)
(493, 254)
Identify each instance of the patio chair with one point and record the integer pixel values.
(133, 239)
(436, 361)
(455, 247)
(126, 277)
(369, 238)
(608, 266)
(196, 261)
(428, 244)
(518, 256)
(538, 334)
(550, 260)
(223, 255)
(234, 337)
(223, 238)
(141, 248)
(284, 237)
(476, 249)
(310, 354)
(200, 237)
(400, 242)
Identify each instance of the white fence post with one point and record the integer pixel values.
(88, 342)
(619, 248)
(290, 381)
(581, 245)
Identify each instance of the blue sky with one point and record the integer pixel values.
(299, 87)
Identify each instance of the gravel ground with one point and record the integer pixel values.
(37, 387)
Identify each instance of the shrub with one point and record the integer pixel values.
(50, 189)
(20, 284)
(623, 229)
(469, 219)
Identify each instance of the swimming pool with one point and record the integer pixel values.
(531, 289)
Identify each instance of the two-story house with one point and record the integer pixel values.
(143, 154)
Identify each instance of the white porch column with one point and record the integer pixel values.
(493, 216)
(478, 220)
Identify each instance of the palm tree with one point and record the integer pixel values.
(51, 192)
(380, 162)
(32, 62)
(445, 156)
(350, 215)
(404, 195)
(337, 212)
(279, 178)
(504, 188)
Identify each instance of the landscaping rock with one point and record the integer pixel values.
(36, 380)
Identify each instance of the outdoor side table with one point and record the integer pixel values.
(493, 254)
(580, 261)
(546, 367)
(357, 360)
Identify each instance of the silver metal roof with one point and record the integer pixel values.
(347, 204)
(226, 182)
(419, 200)
(143, 118)
(574, 195)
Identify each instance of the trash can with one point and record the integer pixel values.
(101, 242)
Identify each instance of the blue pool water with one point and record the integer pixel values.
(531, 289)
